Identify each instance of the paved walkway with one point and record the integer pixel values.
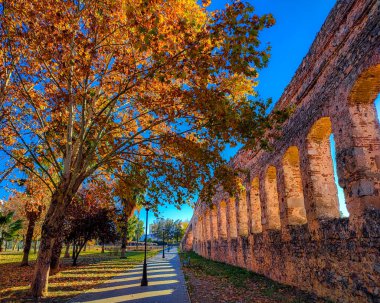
(165, 278)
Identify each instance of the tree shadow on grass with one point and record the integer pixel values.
(15, 284)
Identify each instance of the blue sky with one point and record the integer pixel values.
(297, 24)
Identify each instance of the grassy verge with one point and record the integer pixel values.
(238, 277)
(93, 268)
(236, 284)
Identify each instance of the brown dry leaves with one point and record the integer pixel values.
(94, 268)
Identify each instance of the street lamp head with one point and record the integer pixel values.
(147, 205)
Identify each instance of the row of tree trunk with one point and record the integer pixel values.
(18, 245)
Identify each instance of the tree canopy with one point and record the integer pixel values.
(95, 86)
(97, 89)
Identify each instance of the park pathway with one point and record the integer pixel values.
(165, 278)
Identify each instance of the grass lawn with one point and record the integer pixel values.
(210, 282)
(93, 268)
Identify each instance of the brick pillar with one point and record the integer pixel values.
(201, 235)
(214, 229)
(232, 224)
(242, 212)
(255, 207)
(271, 205)
(196, 235)
(358, 145)
(232, 230)
(189, 241)
(207, 225)
(283, 207)
(214, 222)
(222, 214)
(295, 213)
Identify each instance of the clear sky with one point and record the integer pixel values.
(297, 24)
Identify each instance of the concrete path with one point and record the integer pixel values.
(165, 279)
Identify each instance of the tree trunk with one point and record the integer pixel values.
(50, 229)
(55, 256)
(124, 241)
(138, 234)
(76, 255)
(28, 242)
(78, 248)
(73, 253)
(1, 245)
(103, 248)
(67, 252)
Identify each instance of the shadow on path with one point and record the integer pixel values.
(165, 279)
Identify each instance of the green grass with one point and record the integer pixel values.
(14, 257)
(235, 275)
(93, 268)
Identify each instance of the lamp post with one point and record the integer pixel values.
(163, 243)
(144, 280)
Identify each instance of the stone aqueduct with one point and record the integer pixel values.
(285, 223)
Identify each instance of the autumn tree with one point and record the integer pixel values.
(88, 220)
(93, 202)
(90, 87)
(31, 203)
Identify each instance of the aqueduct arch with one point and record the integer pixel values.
(292, 231)
(360, 165)
(325, 196)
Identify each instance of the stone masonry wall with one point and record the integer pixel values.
(285, 222)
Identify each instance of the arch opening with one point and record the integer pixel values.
(343, 211)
